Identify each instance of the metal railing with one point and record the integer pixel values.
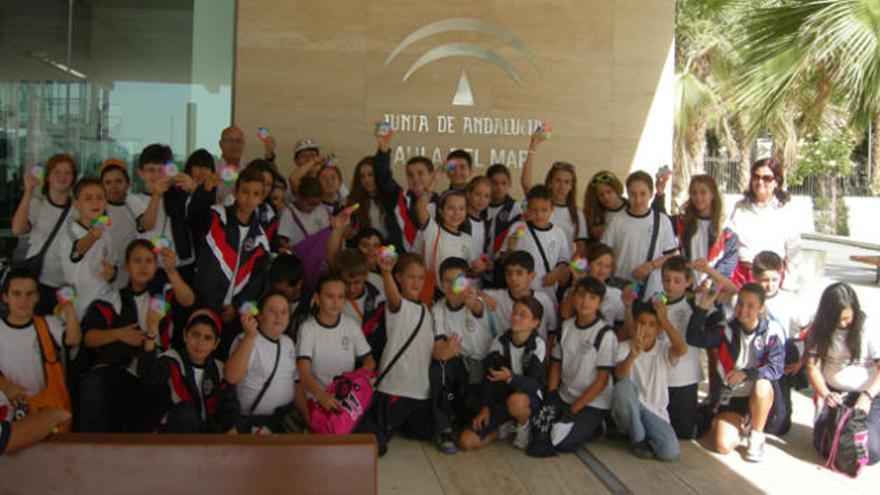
(727, 174)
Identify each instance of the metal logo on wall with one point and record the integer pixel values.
(463, 94)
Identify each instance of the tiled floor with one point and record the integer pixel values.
(790, 466)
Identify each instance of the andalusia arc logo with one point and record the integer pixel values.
(463, 95)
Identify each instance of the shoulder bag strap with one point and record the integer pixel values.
(268, 380)
(655, 232)
(55, 229)
(540, 248)
(402, 349)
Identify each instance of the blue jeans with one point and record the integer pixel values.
(633, 419)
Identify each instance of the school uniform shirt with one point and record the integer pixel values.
(561, 218)
(689, 369)
(515, 355)
(613, 309)
(630, 237)
(504, 301)
(123, 226)
(844, 374)
(580, 357)
(790, 311)
(367, 301)
(555, 246)
(164, 225)
(43, 214)
(611, 214)
(409, 375)
(439, 243)
(84, 272)
(259, 367)
(377, 219)
(295, 224)
(376, 280)
(473, 329)
(330, 350)
(650, 374)
(21, 361)
(479, 231)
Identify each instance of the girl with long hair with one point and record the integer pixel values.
(843, 360)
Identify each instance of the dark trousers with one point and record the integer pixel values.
(682, 409)
(183, 418)
(449, 393)
(573, 430)
(390, 414)
(113, 400)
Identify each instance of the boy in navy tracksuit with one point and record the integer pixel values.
(401, 223)
(503, 212)
(751, 356)
(194, 397)
(231, 267)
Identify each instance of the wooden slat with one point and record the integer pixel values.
(216, 464)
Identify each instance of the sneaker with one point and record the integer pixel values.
(643, 450)
(755, 451)
(445, 443)
(521, 441)
(506, 430)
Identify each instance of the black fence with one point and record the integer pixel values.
(727, 174)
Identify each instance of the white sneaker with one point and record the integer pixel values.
(744, 436)
(506, 430)
(521, 441)
(755, 451)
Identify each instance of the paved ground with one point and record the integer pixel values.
(791, 464)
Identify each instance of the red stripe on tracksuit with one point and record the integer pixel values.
(407, 227)
(177, 384)
(227, 255)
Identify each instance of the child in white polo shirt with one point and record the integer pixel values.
(329, 344)
(519, 272)
(88, 260)
(262, 365)
(641, 393)
(402, 398)
(641, 237)
(461, 327)
(544, 241)
(583, 360)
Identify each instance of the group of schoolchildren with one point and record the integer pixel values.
(228, 299)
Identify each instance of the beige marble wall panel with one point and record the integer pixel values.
(318, 69)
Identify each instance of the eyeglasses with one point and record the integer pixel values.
(603, 178)
(766, 179)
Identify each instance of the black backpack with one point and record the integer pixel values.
(841, 435)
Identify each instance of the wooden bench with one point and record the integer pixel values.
(212, 464)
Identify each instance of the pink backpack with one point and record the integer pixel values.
(354, 393)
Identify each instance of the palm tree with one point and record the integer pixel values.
(803, 57)
(704, 55)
